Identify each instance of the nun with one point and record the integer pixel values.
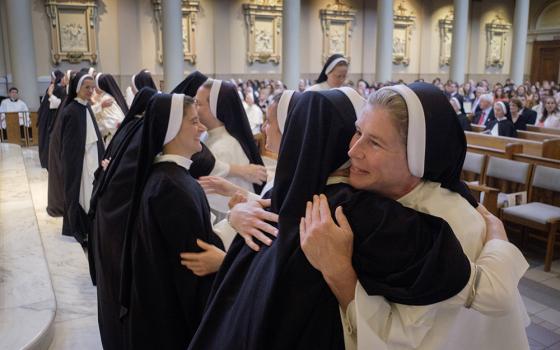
(414, 128)
(502, 124)
(81, 153)
(55, 198)
(275, 297)
(333, 74)
(109, 106)
(47, 110)
(230, 139)
(138, 81)
(169, 214)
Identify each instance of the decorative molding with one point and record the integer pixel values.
(337, 23)
(496, 38)
(264, 30)
(445, 37)
(402, 34)
(189, 9)
(73, 26)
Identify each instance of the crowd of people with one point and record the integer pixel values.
(363, 236)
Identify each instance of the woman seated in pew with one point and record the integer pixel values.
(463, 120)
(502, 125)
(519, 119)
(550, 117)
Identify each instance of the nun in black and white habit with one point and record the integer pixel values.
(138, 81)
(323, 82)
(47, 111)
(81, 153)
(162, 302)
(274, 297)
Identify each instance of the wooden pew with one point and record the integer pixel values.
(553, 163)
(546, 149)
(12, 128)
(535, 136)
(34, 130)
(543, 130)
(477, 128)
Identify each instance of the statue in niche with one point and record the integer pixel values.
(73, 37)
(263, 41)
(398, 47)
(337, 44)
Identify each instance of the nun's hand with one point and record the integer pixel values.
(219, 185)
(254, 173)
(249, 219)
(50, 90)
(327, 246)
(494, 226)
(238, 197)
(107, 103)
(105, 163)
(206, 262)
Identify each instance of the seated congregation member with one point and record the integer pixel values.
(452, 91)
(109, 106)
(529, 113)
(463, 120)
(274, 297)
(13, 104)
(169, 213)
(519, 117)
(502, 125)
(49, 105)
(81, 153)
(55, 198)
(253, 111)
(140, 80)
(550, 117)
(229, 139)
(333, 74)
(485, 114)
(409, 120)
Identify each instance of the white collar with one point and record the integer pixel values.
(220, 130)
(81, 101)
(174, 158)
(333, 180)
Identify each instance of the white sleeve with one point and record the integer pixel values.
(54, 102)
(96, 108)
(226, 233)
(220, 169)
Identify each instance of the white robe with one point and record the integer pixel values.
(91, 161)
(108, 118)
(255, 116)
(9, 106)
(319, 87)
(227, 150)
(552, 121)
(498, 317)
(129, 96)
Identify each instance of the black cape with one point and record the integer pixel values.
(46, 116)
(161, 300)
(74, 124)
(189, 86)
(108, 84)
(230, 111)
(144, 79)
(274, 298)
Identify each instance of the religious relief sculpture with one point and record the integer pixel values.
(496, 38)
(189, 9)
(402, 34)
(73, 26)
(337, 20)
(264, 29)
(445, 37)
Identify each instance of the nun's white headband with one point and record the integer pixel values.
(175, 117)
(53, 75)
(503, 105)
(134, 85)
(333, 64)
(91, 70)
(416, 139)
(214, 94)
(97, 80)
(81, 81)
(358, 102)
(282, 110)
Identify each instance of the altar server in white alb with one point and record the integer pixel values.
(333, 74)
(230, 139)
(15, 105)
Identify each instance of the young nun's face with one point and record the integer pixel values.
(337, 76)
(271, 129)
(191, 128)
(203, 104)
(378, 155)
(86, 90)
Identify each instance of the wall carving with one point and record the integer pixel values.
(264, 30)
(445, 37)
(402, 34)
(73, 26)
(189, 9)
(496, 38)
(337, 20)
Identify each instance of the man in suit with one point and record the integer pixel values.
(485, 115)
(451, 90)
(529, 115)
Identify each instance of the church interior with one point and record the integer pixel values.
(269, 85)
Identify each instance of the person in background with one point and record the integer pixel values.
(465, 122)
(254, 112)
(13, 104)
(502, 124)
(333, 74)
(550, 117)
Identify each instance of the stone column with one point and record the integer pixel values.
(22, 52)
(459, 44)
(519, 44)
(290, 43)
(172, 36)
(384, 54)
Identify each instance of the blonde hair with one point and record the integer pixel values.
(395, 105)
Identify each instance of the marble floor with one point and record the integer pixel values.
(75, 322)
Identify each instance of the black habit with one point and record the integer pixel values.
(46, 116)
(505, 127)
(274, 298)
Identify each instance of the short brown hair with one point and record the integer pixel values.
(396, 106)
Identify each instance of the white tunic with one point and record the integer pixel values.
(498, 317)
(552, 121)
(108, 118)
(226, 149)
(319, 87)
(255, 116)
(129, 96)
(91, 161)
(9, 106)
